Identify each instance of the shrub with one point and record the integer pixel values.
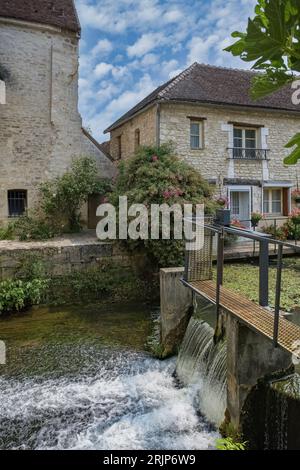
(6, 233)
(155, 176)
(228, 443)
(32, 228)
(16, 295)
(62, 198)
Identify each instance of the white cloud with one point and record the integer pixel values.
(200, 48)
(146, 43)
(103, 47)
(103, 69)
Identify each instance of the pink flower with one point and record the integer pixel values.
(166, 194)
(154, 158)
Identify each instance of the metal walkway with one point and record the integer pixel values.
(257, 318)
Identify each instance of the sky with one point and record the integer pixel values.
(129, 47)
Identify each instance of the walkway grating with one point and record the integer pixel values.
(258, 318)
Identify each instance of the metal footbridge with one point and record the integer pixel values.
(258, 317)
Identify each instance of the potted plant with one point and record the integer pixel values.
(256, 217)
(222, 201)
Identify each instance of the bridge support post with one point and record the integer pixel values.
(176, 308)
(250, 357)
(263, 273)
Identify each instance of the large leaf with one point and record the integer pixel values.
(266, 84)
(293, 158)
(272, 41)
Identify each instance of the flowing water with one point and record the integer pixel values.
(202, 364)
(80, 378)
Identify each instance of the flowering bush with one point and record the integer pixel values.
(295, 216)
(156, 176)
(296, 194)
(236, 223)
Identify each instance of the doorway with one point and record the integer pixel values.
(240, 205)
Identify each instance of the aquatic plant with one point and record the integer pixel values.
(18, 294)
(227, 443)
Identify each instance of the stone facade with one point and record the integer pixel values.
(145, 123)
(273, 130)
(40, 126)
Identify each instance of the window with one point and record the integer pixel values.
(137, 139)
(17, 202)
(273, 201)
(196, 130)
(119, 141)
(244, 142)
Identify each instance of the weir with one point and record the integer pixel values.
(250, 343)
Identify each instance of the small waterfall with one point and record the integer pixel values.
(202, 363)
(282, 414)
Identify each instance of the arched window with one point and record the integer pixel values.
(17, 202)
(2, 92)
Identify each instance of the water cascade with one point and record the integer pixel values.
(202, 364)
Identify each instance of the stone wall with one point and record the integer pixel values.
(60, 258)
(213, 160)
(40, 126)
(145, 122)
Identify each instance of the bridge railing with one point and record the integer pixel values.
(198, 263)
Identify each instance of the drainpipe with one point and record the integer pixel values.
(158, 124)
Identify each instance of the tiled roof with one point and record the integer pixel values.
(61, 13)
(208, 84)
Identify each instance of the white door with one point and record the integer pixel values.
(240, 206)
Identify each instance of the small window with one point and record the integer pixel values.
(119, 139)
(196, 135)
(137, 139)
(17, 202)
(273, 201)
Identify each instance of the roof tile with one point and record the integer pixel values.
(61, 13)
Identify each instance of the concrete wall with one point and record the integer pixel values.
(145, 122)
(40, 126)
(250, 357)
(176, 303)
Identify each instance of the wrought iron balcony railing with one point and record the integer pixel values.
(239, 153)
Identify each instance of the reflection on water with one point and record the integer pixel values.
(79, 378)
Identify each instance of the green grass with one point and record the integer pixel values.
(244, 278)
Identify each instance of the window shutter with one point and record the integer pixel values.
(285, 200)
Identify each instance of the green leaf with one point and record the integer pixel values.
(293, 158)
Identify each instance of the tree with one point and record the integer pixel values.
(154, 175)
(272, 40)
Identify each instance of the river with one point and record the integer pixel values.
(81, 378)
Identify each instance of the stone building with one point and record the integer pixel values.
(40, 126)
(237, 144)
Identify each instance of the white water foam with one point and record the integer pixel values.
(131, 402)
(202, 365)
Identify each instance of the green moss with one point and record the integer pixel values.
(65, 339)
(244, 278)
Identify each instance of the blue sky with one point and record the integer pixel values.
(129, 47)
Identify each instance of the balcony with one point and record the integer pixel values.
(239, 153)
